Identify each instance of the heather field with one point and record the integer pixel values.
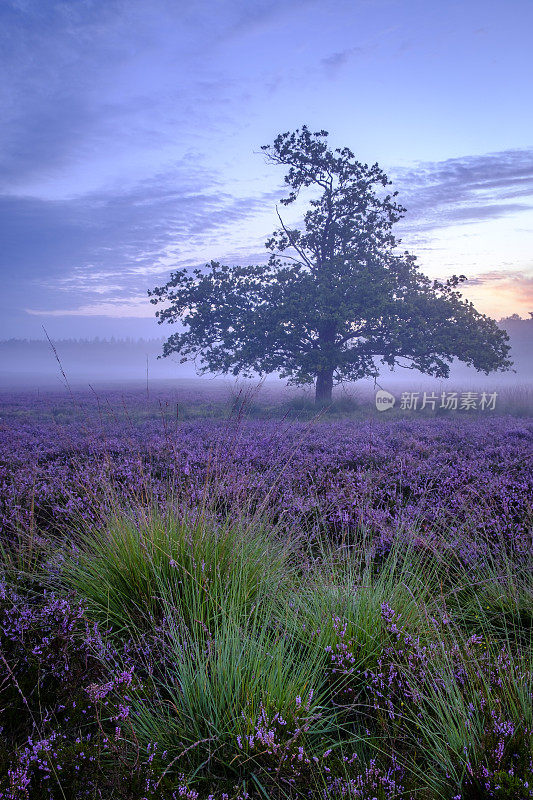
(236, 599)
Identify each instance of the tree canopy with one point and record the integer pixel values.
(336, 298)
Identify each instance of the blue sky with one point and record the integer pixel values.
(131, 134)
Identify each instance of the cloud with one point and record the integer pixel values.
(124, 87)
(465, 190)
(521, 281)
(109, 247)
(335, 61)
(502, 291)
(139, 308)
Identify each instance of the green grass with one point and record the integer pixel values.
(139, 565)
(262, 664)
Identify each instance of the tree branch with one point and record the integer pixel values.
(298, 249)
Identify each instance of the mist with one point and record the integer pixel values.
(37, 363)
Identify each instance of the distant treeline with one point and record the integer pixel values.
(129, 358)
(86, 359)
(95, 343)
(520, 330)
(521, 334)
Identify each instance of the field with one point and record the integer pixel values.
(223, 599)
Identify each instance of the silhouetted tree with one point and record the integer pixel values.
(335, 296)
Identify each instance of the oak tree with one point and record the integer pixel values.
(336, 298)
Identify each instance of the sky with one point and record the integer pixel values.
(131, 135)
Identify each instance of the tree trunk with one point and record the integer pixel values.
(324, 386)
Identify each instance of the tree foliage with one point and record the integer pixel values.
(336, 297)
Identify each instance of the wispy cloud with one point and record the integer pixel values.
(334, 62)
(88, 249)
(514, 280)
(497, 289)
(140, 308)
(121, 87)
(465, 190)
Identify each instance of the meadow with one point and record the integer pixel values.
(220, 599)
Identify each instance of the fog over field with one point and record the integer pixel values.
(34, 364)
